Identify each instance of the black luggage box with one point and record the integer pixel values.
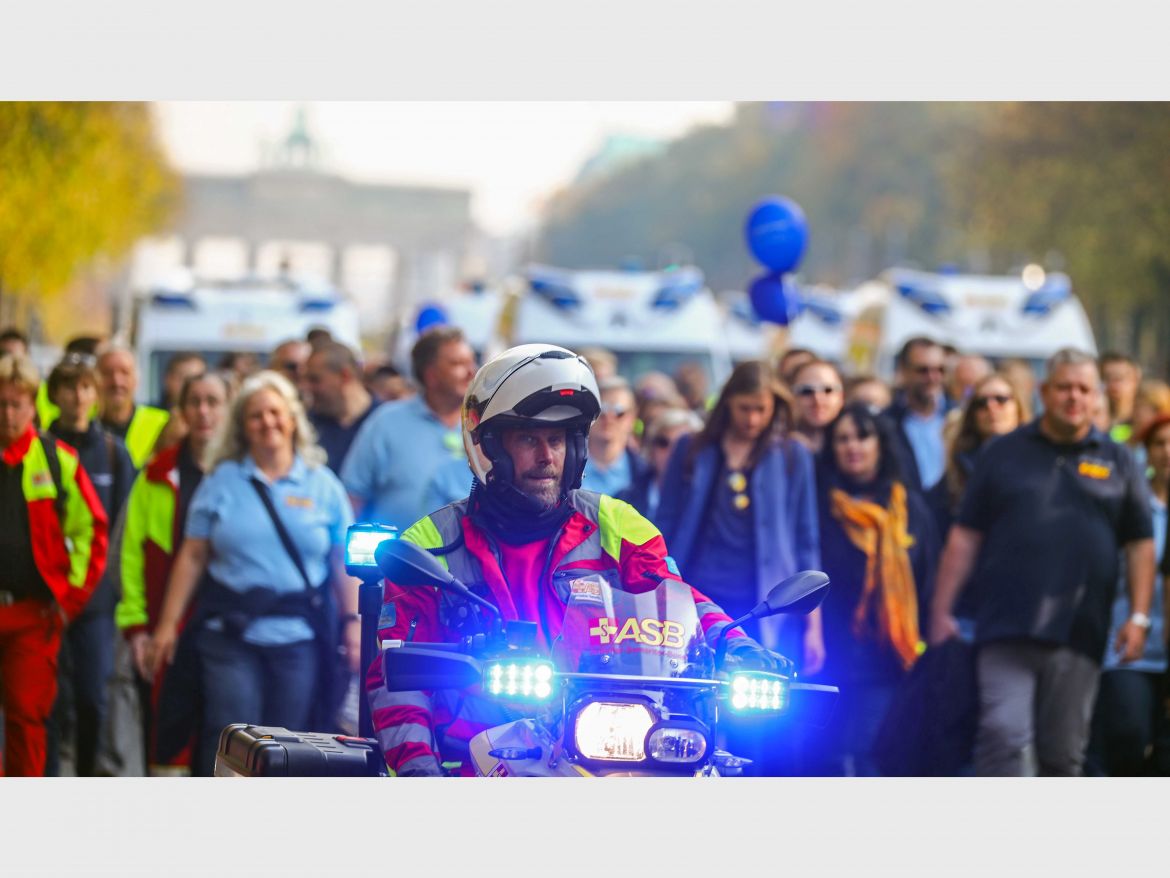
(270, 751)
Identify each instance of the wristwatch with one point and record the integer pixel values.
(1141, 620)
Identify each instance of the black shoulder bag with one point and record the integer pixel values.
(323, 619)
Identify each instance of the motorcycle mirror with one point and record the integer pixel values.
(404, 563)
(797, 595)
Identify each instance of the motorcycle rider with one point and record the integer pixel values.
(520, 539)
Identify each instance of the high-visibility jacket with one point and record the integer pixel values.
(602, 534)
(150, 535)
(69, 539)
(146, 424)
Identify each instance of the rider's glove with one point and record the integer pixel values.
(750, 656)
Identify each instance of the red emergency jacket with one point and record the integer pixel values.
(69, 536)
(602, 534)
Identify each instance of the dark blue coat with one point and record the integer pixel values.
(784, 504)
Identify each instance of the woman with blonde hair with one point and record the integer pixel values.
(996, 406)
(264, 543)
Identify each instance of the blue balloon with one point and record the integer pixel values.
(428, 316)
(772, 298)
(777, 233)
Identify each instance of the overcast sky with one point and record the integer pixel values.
(511, 155)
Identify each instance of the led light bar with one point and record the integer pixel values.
(752, 693)
(519, 679)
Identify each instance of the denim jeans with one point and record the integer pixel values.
(245, 683)
(77, 725)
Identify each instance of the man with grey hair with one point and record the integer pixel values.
(1045, 516)
(139, 426)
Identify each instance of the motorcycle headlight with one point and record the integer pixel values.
(755, 693)
(612, 731)
(682, 745)
(519, 680)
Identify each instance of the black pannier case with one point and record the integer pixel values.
(270, 751)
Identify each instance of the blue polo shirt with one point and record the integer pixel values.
(451, 482)
(246, 550)
(925, 435)
(611, 481)
(1053, 518)
(393, 459)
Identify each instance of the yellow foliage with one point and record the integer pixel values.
(78, 182)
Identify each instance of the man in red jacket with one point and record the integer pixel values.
(524, 535)
(52, 553)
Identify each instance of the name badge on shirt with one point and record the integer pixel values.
(1094, 469)
(298, 502)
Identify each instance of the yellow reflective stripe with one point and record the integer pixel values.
(424, 533)
(617, 521)
(78, 524)
(145, 427)
(150, 515)
(36, 480)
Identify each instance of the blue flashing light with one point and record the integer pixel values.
(317, 305)
(361, 541)
(556, 292)
(673, 294)
(1056, 289)
(929, 300)
(173, 300)
(825, 312)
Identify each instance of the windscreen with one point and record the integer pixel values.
(607, 630)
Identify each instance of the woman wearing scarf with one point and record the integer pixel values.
(879, 547)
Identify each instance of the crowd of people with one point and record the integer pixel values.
(169, 569)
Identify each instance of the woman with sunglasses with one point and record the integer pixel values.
(880, 549)
(819, 395)
(658, 442)
(995, 407)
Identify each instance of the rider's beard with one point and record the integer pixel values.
(547, 493)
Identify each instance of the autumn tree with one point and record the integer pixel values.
(1087, 185)
(79, 182)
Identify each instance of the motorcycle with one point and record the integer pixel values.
(630, 685)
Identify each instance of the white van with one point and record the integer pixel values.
(1028, 316)
(245, 316)
(651, 320)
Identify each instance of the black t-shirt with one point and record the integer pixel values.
(336, 439)
(18, 569)
(723, 566)
(1053, 518)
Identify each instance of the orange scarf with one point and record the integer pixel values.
(888, 594)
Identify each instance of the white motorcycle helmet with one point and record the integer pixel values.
(532, 385)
